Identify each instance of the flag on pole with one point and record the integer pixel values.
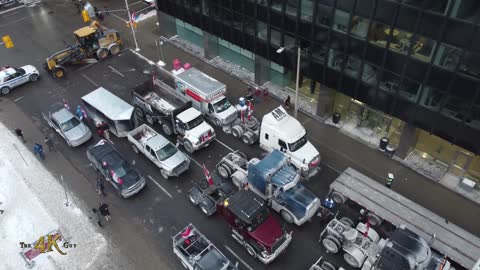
(250, 110)
(242, 117)
(132, 19)
(207, 175)
(365, 234)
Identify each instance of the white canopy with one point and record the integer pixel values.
(110, 105)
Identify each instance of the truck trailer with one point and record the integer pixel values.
(390, 209)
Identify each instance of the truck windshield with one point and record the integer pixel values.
(222, 105)
(69, 124)
(194, 123)
(298, 144)
(166, 152)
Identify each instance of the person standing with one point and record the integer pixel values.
(104, 211)
(38, 149)
(106, 130)
(389, 182)
(286, 102)
(96, 212)
(49, 143)
(19, 133)
(100, 187)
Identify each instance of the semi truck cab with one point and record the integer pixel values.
(196, 132)
(281, 131)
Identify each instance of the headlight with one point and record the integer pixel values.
(264, 253)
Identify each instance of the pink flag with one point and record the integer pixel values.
(187, 233)
(365, 234)
(207, 175)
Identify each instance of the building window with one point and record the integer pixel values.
(306, 10)
(292, 7)
(277, 5)
(465, 9)
(324, 14)
(237, 20)
(438, 6)
(432, 98)
(250, 25)
(262, 32)
(470, 64)
(275, 37)
(447, 56)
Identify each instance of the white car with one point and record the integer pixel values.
(12, 77)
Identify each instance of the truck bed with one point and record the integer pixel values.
(141, 134)
(160, 96)
(451, 240)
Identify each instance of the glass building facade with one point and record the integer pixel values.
(406, 69)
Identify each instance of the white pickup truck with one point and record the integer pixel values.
(170, 160)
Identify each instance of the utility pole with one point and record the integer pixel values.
(131, 26)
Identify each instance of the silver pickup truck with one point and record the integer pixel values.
(170, 160)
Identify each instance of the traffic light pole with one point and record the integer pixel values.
(131, 27)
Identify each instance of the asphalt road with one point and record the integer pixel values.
(157, 212)
(161, 209)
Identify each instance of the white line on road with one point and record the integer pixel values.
(10, 22)
(84, 67)
(116, 71)
(12, 9)
(164, 190)
(238, 257)
(90, 80)
(196, 162)
(134, 3)
(18, 99)
(226, 146)
(116, 16)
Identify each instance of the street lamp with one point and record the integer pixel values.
(131, 27)
(161, 61)
(299, 51)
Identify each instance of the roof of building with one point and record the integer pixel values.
(201, 81)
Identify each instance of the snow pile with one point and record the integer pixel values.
(34, 205)
(364, 134)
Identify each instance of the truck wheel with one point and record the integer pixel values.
(114, 49)
(188, 147)
(218, 122)
(192, 199)
(167, 130)
(204, 210)
(327, 266)
(338, 197)
(58, 72)
(102, 53)
(374, 220)
(251, 250)
(331, 244)
(164, 174)
(348, 222)
(139, 112)
(224, 171)
(149, 119)
(287, 216)
(237, 131)
(135, 149)
(352, 261)
(246, 139)
(5, 90)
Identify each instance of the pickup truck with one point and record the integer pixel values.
(196, 252)
(156, 102)
(170, 160)
(275, 180)
(115, 168)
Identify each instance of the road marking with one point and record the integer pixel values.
(12, 9)
(84, 67)
(11, 22)
(226, 146)
(164, 190)
(196, 162)
(134, 3)
(18, 99)
(116, 71)
(116, 16)
(238, 257)
(90, 80)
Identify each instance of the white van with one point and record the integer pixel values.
(281, 131)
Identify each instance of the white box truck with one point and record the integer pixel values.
(207, 95)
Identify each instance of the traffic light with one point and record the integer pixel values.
(7, 41)
(132, 23)
(85, 16)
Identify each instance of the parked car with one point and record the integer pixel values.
(65, 123)
(11, 77)
(115, 168)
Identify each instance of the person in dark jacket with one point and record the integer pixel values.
(100, 187)
(104, 211)
(97, 216)
(19, 133)
(286, 102)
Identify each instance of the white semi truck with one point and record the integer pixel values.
(412, 226)
(159, 150)
(207, 95)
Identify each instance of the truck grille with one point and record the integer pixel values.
(279, 243)
(180, 168)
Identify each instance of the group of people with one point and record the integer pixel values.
(37, 147)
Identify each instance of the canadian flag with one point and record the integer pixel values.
(187, 235)
(250, 110)
(117, 179)
(365, 234)
(207, 175)
(242, 116)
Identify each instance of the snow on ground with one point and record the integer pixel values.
(34, 205)
(365, 134)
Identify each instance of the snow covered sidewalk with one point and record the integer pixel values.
(33, 201)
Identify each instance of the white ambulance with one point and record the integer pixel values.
(207, 95)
